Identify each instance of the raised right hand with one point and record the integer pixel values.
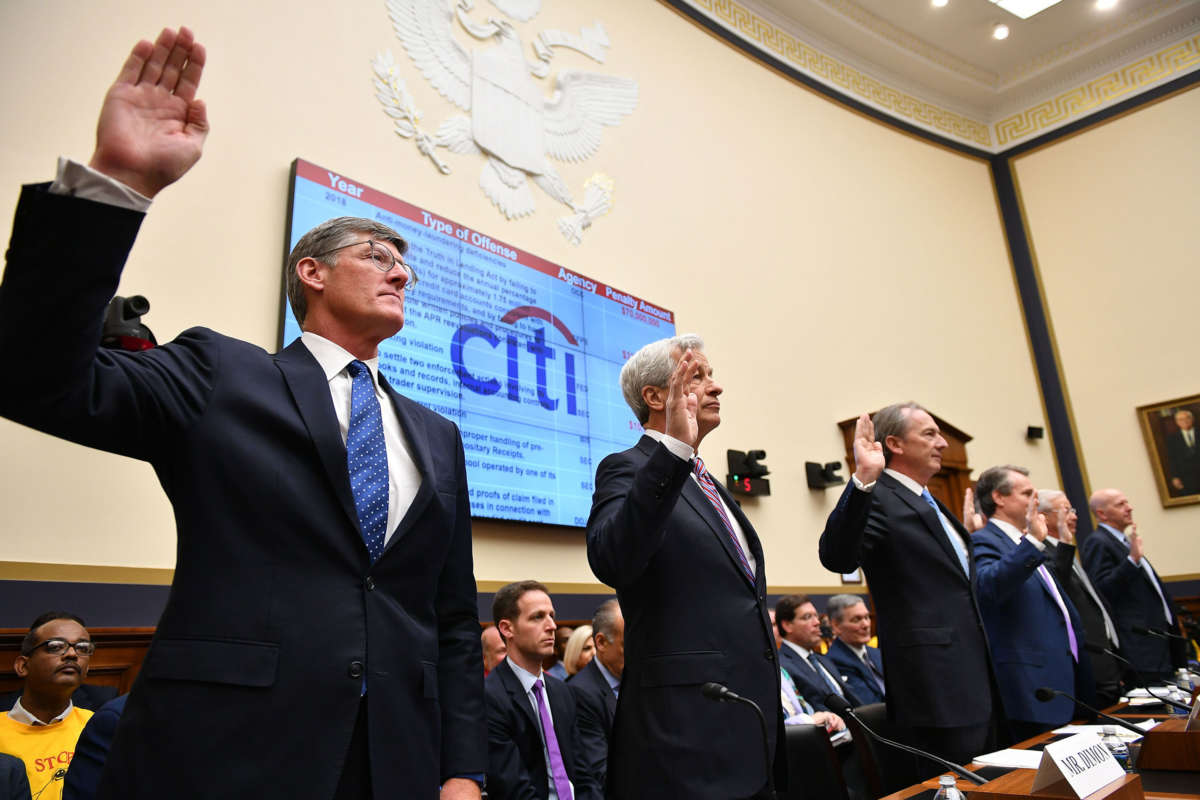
(972, 519)
(1135, 544)
(868, 453)
(682, 402)
(152, 127)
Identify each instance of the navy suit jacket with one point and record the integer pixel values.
(276, 612)
(855, 673)
(595, 706)
(809, 683)
(928, 619)
(516, 761)
(1025, 626)
(14, 779)
(692, 615)
(91, 751)
(1134, 603)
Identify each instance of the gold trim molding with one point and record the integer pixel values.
(1172, 61)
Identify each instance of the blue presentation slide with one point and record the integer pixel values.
(524, 355)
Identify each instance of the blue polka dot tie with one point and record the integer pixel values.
(366, 458)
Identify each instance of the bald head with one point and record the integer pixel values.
(1112, 508)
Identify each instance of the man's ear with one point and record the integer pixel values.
(655, 397)
(312, 273)
(893, 445)
(506, 630)
(21, 666)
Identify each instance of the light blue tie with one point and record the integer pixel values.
(956, 542)
(366, 459)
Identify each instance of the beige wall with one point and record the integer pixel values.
(833, 264)
(1113, 221)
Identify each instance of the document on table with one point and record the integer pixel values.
(1013, 759)
(1124, 733)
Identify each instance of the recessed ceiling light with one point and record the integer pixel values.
(1025, 8)
(1105, 5)
(939, 3)
(1000, 32)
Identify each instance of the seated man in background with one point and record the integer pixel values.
(533, 740)
(597, 686)
(43, 725)
(860, 665)
(814, 675)
(493, 648)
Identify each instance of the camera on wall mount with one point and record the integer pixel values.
(123, 328)
(746, 472)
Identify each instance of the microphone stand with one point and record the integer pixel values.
(1141, 678)
(1046, 694)
(840, 706)
(722, 694)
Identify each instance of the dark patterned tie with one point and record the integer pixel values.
(710, 491)
(366, 459)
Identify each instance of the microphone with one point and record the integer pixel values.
(721, 694)
(1095, 648)
(840, 706)
(1138, 629)
(1046, 694)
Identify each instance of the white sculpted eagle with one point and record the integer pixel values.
(511, 121)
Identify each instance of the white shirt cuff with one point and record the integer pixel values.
(681, 449)
(1039, 545)
(862, 487)
(80, 180)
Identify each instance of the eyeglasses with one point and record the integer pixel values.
(806, 617)
(381, 257)
(84, 647)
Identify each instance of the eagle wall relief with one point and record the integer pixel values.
(514, 124)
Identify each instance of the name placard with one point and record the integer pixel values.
(1082, 761)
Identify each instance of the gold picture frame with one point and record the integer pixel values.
(1176, 465)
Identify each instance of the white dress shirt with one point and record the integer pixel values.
(18, 713)
(528, 679)
(685, 452)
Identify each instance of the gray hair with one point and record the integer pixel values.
(604, 621)
(1045, 499)
(838, 604)
(651, 366)
(330, 235)
(893, 421)
(995, 479)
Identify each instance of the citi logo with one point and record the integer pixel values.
(542, 354)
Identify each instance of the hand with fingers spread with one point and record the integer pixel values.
(972, 519)
(682, 402)
(1035, 521)
(1135, 544)
(152, 127)
(868, 453)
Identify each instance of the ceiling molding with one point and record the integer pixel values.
(1150, 46)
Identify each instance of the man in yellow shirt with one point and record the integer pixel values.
(43, 725)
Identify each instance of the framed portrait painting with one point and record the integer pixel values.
(1173, 442)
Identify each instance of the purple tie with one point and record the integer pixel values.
(710, 491)
(1062, 607)
(557, 771)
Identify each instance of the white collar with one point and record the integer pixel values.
(20, 714)
(334, 358)
(527, 678)
(804, 652)
(613, 681)
(1009, 529)
(905, 481)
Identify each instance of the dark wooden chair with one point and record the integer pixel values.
(814, 769)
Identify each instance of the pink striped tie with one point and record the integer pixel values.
(710, 491)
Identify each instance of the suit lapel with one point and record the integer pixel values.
(310, 390)
(932, 523)
(418, 442)
(518, 696)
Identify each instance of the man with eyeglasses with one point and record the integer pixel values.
(1100, 632)
(43, 725)
(324, 583)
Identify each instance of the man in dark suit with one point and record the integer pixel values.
(323, 587)
(533, 737)
(688, 570)
(917, 560)
(815, 676)
(1034, 630)
(859, 664)
(1183, 455)
(1119, 569)
(597, 686)
(1099, 630)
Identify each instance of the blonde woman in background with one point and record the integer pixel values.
(580, 649)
